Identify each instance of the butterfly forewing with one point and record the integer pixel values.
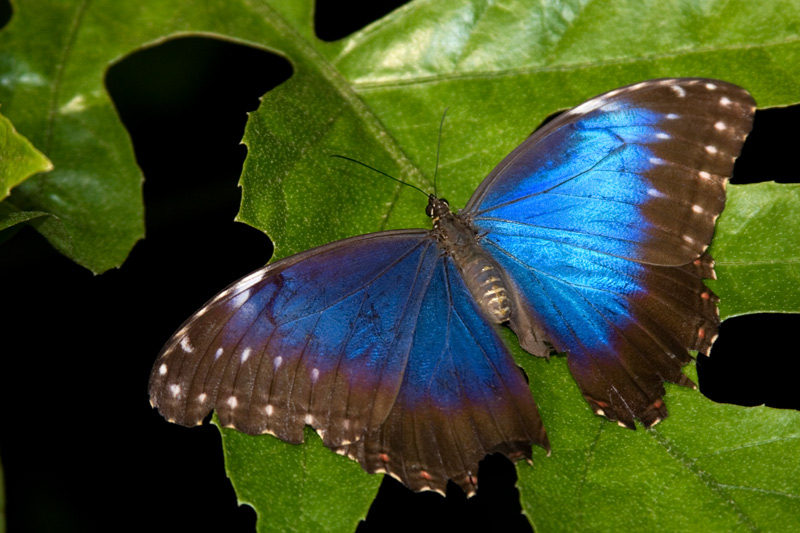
(638, 172)
(319, 338)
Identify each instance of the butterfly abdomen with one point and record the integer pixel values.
(486, 282)
(482, 275)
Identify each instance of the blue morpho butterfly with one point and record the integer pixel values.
(590, 239)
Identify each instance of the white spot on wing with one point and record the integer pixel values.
(704, 175)
(393, 475)
(186, 345)
(175, 389)
(277, 362)
(162, 369)
(655, 193)
(697, 209)
(656, 161)
(232, 402)
(309, 419)
(314, 375)
(720, 125)
(239, 299)
(711, 86)
(218, 353)
(246, 354)
(269, 410)
(725, 101)
(672, 116)
(202, 397)
(688, 239)
(678, 90)
(711, 149)
(663, 135)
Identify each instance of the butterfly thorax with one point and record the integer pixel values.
(458, 239)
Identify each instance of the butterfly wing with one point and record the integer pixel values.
(462, 397)
(603, 217)
(372, 341)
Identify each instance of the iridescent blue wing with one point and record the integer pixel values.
(603, 217)
(350, 338)
(461, 393)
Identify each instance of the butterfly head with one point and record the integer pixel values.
(437, 207)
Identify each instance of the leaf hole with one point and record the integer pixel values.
(6, 11)
(753, 362)
(336, 19)
(185, 105)
(769, 153)
(495, 507)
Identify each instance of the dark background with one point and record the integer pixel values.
(82, 449)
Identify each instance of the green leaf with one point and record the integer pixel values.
(52, 62)
(707, 467)
(758, 260)
(501, 67)
(682, 474)
(297, 488)
(19, 159)
(501, 70)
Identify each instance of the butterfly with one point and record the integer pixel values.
(589, 239)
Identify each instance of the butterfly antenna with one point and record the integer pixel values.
(379, 172)
(438, 149)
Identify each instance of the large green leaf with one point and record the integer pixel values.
(711, 455)
(501, 67)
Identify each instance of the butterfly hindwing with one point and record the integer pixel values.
(603, 217)
(462, 397)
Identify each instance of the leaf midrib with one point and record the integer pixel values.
(310, 55)
(59, 73)
(508, 73)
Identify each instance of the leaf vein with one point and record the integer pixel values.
(704, 476)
